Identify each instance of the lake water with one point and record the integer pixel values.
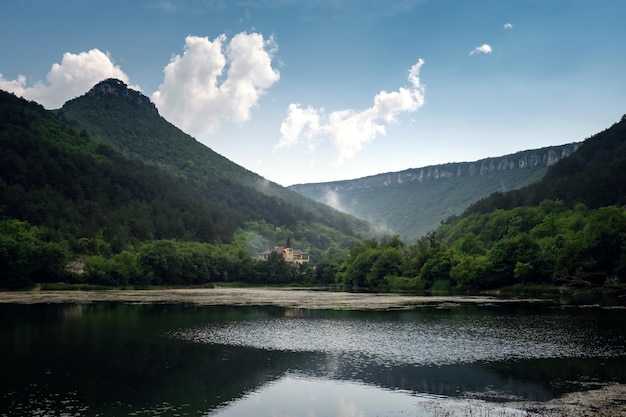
(113, 359)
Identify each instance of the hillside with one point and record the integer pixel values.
(594, 175)
(415, 201)
(567, 230)
(75, 209)
(128, 122)
(53, 176)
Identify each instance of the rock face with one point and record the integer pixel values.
(525, 160)
(413, 202)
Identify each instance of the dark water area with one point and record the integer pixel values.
(113, 359)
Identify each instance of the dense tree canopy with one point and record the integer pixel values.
(545, 244)
(88, 202)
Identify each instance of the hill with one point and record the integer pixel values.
(594, 175)
(413, 202)
(129, 123)
(74, 208)
(567, 230)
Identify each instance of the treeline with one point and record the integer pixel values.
(545, 244)
(29, 255)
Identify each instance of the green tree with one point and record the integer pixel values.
(27, 255)
(436, 268)
(161, 262)
(389, 262)
(471, 272)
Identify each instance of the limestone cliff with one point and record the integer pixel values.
(415, 201)
(525, 160)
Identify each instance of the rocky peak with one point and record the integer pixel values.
(115, 87)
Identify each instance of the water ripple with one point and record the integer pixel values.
(415, 342)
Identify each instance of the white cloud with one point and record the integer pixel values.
(349, 130)
(299, 123)
(483, 49)
(14, 86)
(75, 75)
(508, 25)
(215, 81)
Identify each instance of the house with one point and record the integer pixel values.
(289, 254)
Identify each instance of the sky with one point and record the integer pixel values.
(326, 90)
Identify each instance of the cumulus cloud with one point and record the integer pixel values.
(216, 80)
(508, 25)
(349, 130)
(75, 75)
(299, 124)
(483, 49)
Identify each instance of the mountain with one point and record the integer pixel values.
(565, 230)
(128, 122)
(415, 201)
(63, 194)
(594, 175)
(141, 203)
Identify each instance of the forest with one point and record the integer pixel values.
(81, 210)
(73, 209)
(545, 244)
(567, 230)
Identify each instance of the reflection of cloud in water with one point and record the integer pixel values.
(419, 342)
(295, 395)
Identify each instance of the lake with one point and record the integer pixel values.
(121, 359)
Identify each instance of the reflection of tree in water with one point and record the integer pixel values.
(456, 380)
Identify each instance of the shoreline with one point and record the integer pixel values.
(258, 296)
(287, 297)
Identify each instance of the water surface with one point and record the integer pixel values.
(124, 359)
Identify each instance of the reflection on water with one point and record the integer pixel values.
(167, 360)
(300, 396)
(415, 339)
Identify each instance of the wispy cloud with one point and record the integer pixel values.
(75, 75)
(508, 25)
(483, 49)
(195, 6)
(214, 81)
(349, 130)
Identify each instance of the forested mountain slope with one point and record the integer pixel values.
(53, 176)
(594, 175)
(566, 230)
(73, 208)
(127, 121)
(413, 202)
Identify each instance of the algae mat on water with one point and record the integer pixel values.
(280, 297)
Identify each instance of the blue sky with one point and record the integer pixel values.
(322, 90)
